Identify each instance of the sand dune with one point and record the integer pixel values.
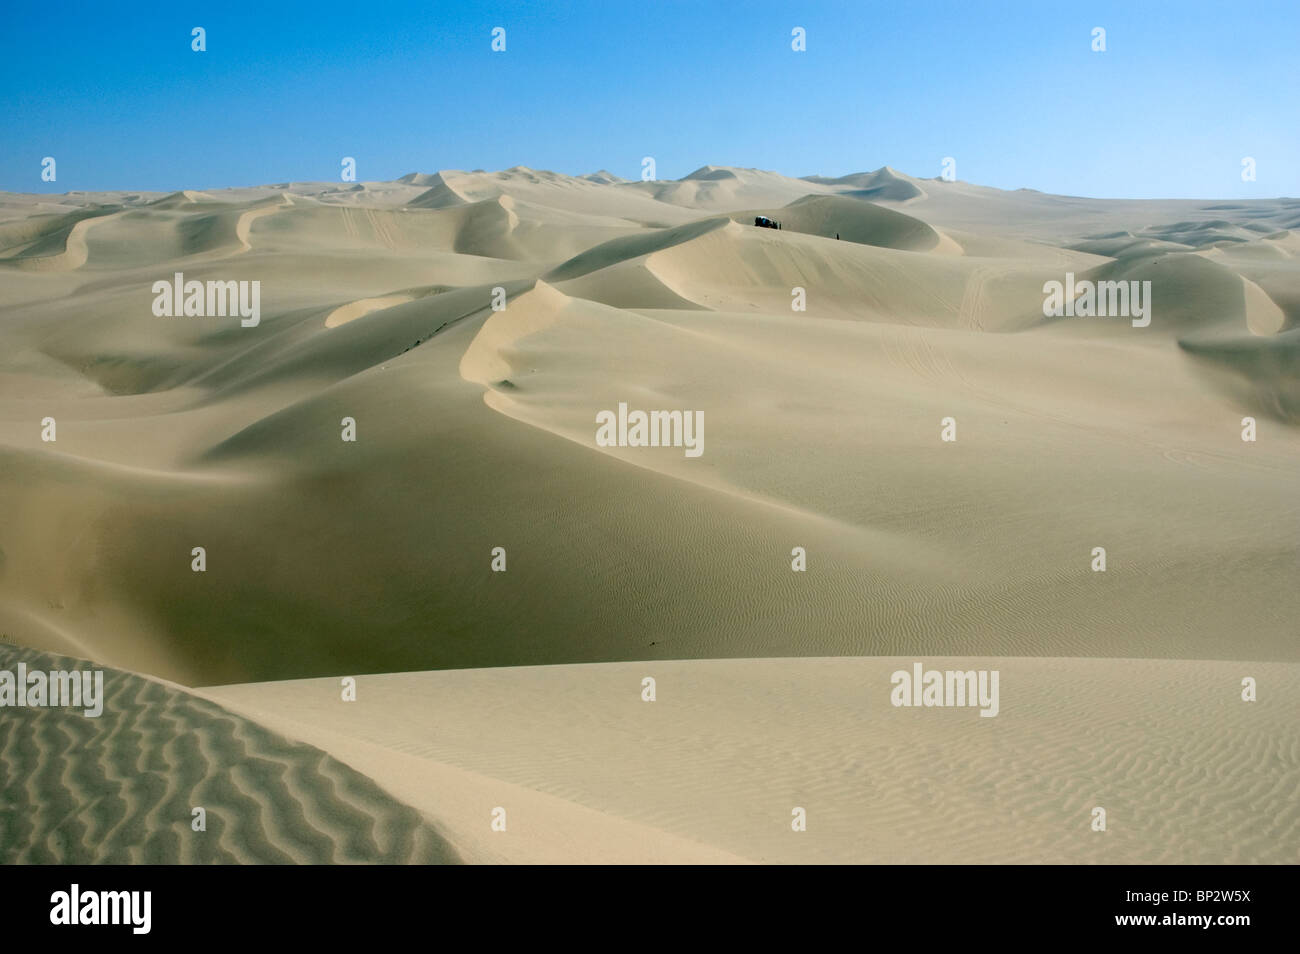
(356, 309)
(586, 770)
(854, 221)
(822, 425)
(244, 227)
(722, 188)
(470, 326)
(883, 185)
(73, 254)
(181, 199)
(122, 788)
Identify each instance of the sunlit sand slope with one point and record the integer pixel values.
(1185, 771)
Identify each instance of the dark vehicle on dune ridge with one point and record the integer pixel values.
(763, 222)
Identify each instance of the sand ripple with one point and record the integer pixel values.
(120, 788)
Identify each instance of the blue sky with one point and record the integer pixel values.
(1011, 90)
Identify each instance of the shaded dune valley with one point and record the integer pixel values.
(336, 483)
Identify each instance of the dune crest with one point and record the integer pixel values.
(75, 252)
(487, 359)
(244, 226)
(364, 306)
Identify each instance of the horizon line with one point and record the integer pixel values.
(587, 176)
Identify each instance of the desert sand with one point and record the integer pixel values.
(475, 429)
(588, 771)
(122, 788)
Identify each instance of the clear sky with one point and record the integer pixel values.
(1011, 90)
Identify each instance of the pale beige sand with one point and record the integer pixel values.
(356, 309)
(120, 788)
(476, 428)
(1186, 771)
